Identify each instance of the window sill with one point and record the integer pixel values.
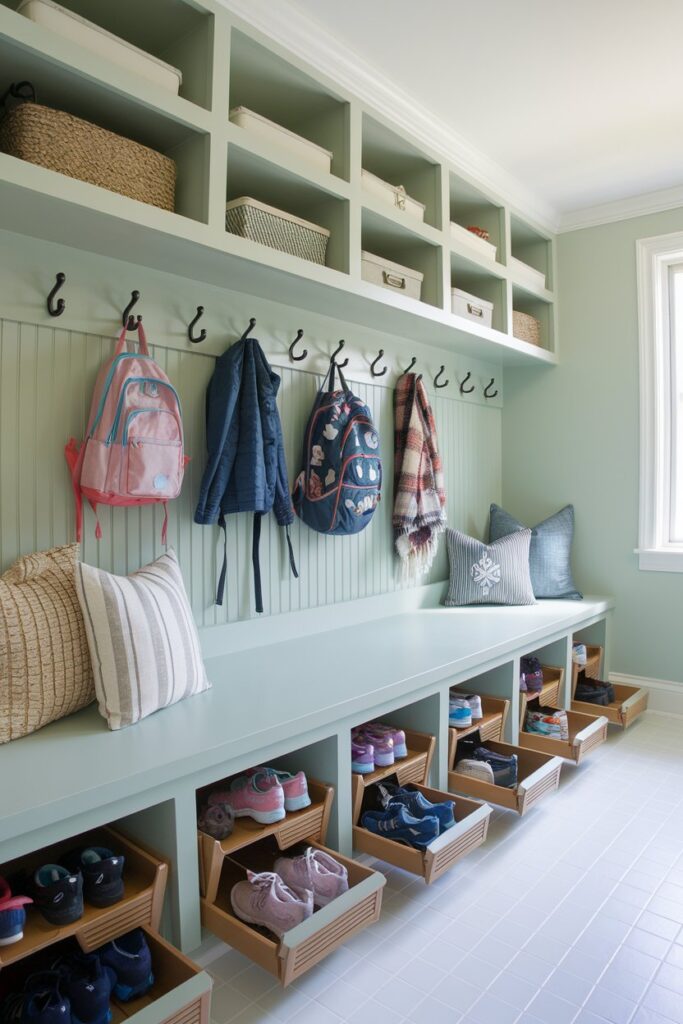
(669, 559)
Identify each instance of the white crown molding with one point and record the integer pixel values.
(622, 209)
(285, 24)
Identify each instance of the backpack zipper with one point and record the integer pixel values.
(107, 385)
(137, 380)
(136, 412)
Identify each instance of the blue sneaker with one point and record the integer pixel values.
(58, 894)
(459, 713)
(418, 805)
(504, 768)
(131, 961)
(88, 985)
(398, 824)
(41, 1002)
(102, 871)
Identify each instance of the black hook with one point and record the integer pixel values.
(202, 333)
(127, 320)
(412, 364)
(333, 357)
(297, 359)
(436, 379)
(250, 328)
(61, 304)
(463, 389)
(490, 385)
(373, 371)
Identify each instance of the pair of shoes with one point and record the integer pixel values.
(463, 709)
(376, 745)
(95, 873)
(12, 914)
(41, 1002)
(593, 691)
(399, 824)
(579, 654)
(86, 983)
(548, 722)
(488, 766)
(263, 794)
(530, 675)
(417, 804)
(129, 961)
(281, 899)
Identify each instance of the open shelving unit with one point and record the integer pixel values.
(225, 64)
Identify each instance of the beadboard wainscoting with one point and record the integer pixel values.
(47, 375)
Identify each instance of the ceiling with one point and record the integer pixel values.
(579, 100)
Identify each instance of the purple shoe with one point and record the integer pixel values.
(264, 899)
(382, 743)
(362, 757)
(315, 870)
(396, 735)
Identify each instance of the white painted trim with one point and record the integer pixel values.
(654, 256)
(666, 695)
(621, 209)
(292, 29)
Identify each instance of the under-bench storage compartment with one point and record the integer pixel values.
(629, 701)
(308, 943)
(585, 733)
(537, 775)
(491, 725)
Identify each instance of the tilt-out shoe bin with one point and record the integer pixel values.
(181, 993)
(629, 701)
(586, 732)
(537, 775)
(491, 725)
(256, 847)
(144, 879)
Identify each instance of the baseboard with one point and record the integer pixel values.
(666, 696)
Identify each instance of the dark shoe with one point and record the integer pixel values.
(131, 961)
(41, 1002)
(58, 894)
(593, 691)
(398, 824)
(418, 805)
(102, 873)
(88, 985)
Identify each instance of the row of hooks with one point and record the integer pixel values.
(132, 323)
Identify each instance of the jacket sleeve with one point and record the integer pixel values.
(221, 404)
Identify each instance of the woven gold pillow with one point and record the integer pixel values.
(45, 670)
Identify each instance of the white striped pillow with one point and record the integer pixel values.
(143, 640)
(496, 573)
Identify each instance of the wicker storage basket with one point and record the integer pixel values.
(72, 146)
(266, 224)
(526, 327)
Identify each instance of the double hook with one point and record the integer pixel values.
(490, 385)
(190, 328)
(297, 359)
(373, 364)
(463, 389)
(58, 309)
(333, 357)
(128, 321)
(436, 379)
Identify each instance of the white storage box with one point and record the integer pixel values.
(378, 270)
(100, 42)
(394, 194)
(280, 230)
(474, 308)
(524, 274)
(486, 250)
(309, 152)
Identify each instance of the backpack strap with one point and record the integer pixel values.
(329, 377)
(220, 590)
(142, 341)
(292, 563)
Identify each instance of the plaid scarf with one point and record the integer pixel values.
(419, 497)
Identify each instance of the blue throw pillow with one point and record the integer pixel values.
(549, 553)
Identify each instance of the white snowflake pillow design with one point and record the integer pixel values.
(496, 573)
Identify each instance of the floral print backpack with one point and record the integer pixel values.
(338, 488)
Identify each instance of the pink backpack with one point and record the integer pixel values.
(133, 451)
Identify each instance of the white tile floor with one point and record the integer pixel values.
(571, 914)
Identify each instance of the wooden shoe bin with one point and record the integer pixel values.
(629, 702)
(413, 768)
(144, 878)
(585, 733)
(491, 725)
(256, 847)
(537, 775)
(181, 992)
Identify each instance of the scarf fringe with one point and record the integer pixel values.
(416, 561)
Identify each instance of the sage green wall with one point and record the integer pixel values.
(571, 434)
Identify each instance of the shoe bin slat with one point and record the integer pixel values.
(491, 725)
(310, 942)
(310, 823)
(181, 993)
(469, 832)
(585, 733)
(413, 768)
(537, 775)
(144, 877)
(629, 702)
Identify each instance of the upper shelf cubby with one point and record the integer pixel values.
(266, 84)
(175, 32)
(531, 264)
(470, 207)
(397, 162)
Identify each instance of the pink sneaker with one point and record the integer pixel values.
(315, 870)
(260, 797)
(265, 900)
(397, 735)
(382, 743)
(295, 787)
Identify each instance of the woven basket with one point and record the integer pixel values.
(279, 230)
(72, 146)
(526, 327)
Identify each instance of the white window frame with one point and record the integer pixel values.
(655, 256)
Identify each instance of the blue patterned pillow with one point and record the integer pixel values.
(550, 551)
(495, 573)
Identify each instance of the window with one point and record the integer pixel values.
(660, 298)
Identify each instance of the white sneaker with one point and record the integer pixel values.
(459, 713)
(474, 701)
(479, 770)
(579, 654)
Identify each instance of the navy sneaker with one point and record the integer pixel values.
(88, 985)
(58, 894)
(41, 1002)
(131, 961)
(418, 805)
(102, 872)
(504, 768)
(399, 824)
